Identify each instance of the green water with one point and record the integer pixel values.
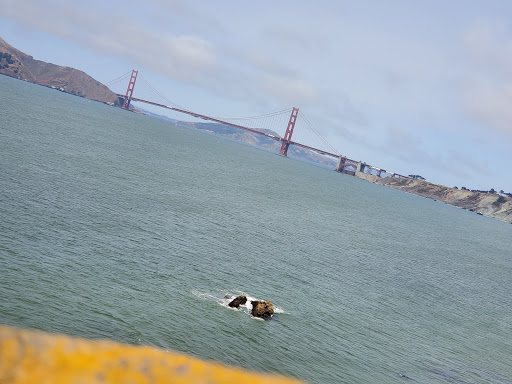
(115, 225)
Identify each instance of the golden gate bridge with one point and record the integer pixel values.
(273, 123)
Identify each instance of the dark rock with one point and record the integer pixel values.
(405, 377)
(238, 301)
(262, 308)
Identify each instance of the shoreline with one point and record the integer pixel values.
(491, 205)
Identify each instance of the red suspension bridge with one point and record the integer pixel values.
(266, 125)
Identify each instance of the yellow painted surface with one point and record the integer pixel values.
(40, 358)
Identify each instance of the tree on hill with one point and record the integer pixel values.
(7, 57)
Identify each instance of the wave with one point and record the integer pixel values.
(224, 298)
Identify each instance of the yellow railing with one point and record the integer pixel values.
(36, 357)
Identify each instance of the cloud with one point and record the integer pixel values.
(115, 33)
(467, 164)
(487, 94)
(411, 150)
(269, 71)
(259, 59)
(406, 146)
(292, 91)
(490, 47)
(490, 105)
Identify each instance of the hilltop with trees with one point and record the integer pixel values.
(487, 203)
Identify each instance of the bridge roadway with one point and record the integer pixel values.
(347, 161)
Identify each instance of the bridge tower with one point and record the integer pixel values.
(340, 167)
(129, 91)
(289, 132)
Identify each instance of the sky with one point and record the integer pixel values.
(412, 86)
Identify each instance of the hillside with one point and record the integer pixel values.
(487, 204)
(250, 138)
(21, 66)
(265, 142)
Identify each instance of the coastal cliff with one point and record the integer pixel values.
(487, 204)
(19, 65)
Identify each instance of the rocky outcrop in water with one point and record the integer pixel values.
(238, 301)
(262, 308)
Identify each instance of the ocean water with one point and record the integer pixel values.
(115, 225)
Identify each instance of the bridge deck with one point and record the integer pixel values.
(277, 138)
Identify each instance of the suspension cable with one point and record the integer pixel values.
(117, 79)
(241, 119)
(318, 134)
(219, 118)
(271, 114)
(159, 94)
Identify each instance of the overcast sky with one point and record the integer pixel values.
(422, 87)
